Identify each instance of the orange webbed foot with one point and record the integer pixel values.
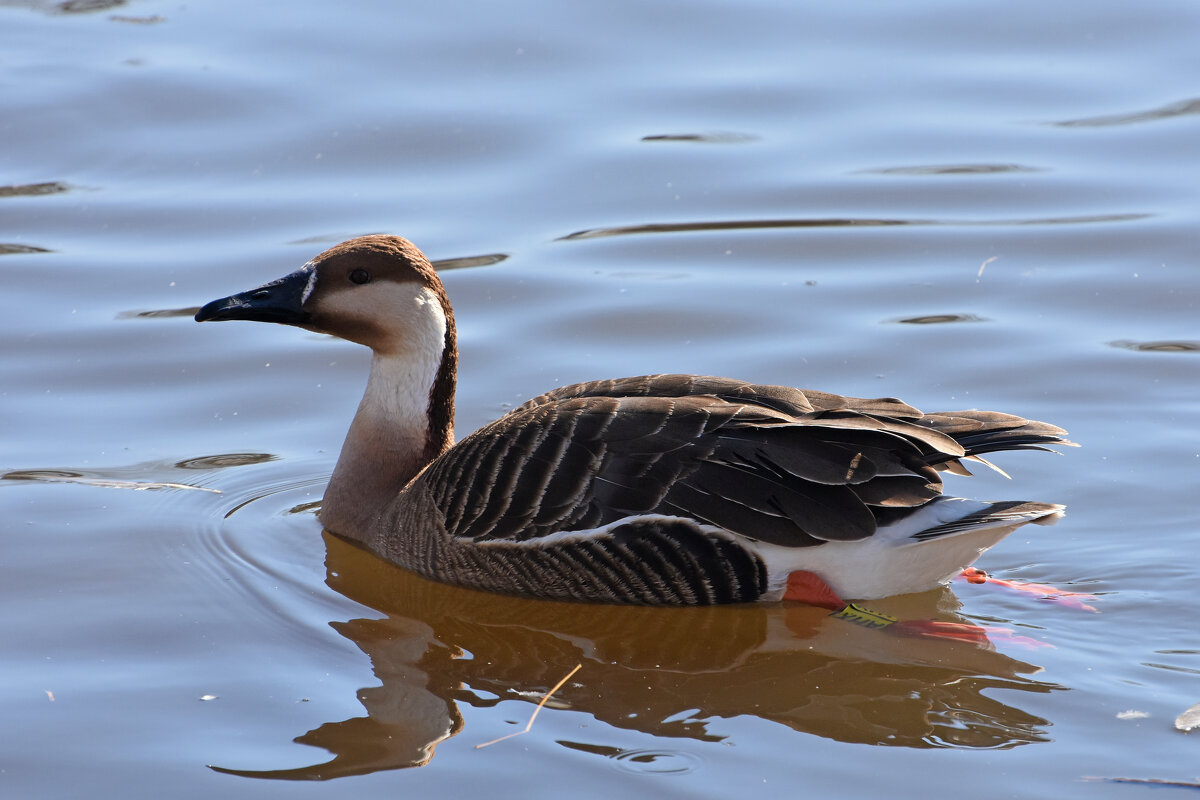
(1042, 590)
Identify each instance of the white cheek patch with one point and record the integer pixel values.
(312, 281)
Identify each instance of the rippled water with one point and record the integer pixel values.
(989, 205)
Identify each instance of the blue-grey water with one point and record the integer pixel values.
(964, 205)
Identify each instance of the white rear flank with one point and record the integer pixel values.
(892, 562)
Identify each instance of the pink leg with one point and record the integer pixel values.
(809, 587)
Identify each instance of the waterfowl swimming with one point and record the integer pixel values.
(659, 489)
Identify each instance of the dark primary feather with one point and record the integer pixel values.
(997, 512)
(780, 465)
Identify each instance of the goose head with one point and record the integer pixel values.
(381, 292)
(378, 291)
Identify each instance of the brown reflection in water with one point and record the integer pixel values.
(938, 319)
(1165, 346)
(463, 262)
(837, 222)
(96, 478)
(702, 138)
(67, 6)
(159, 312)
(224, 460)
(152, 19)
(951, 169)
(1171, 110)
(739, 224)
(87, 6)
(34, 189)
(664, 672)
(146, 475)
(10, 249)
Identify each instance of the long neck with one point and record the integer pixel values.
(405, 420)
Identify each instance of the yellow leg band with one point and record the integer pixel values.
(864, 616)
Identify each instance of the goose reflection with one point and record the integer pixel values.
(665, 672)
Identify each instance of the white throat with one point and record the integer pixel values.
(397, 394)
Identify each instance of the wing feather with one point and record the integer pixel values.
(771, 463)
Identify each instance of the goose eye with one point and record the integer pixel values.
(360, 276)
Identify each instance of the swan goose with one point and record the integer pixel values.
(660, 489)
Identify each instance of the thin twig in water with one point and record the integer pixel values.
(533, 716)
